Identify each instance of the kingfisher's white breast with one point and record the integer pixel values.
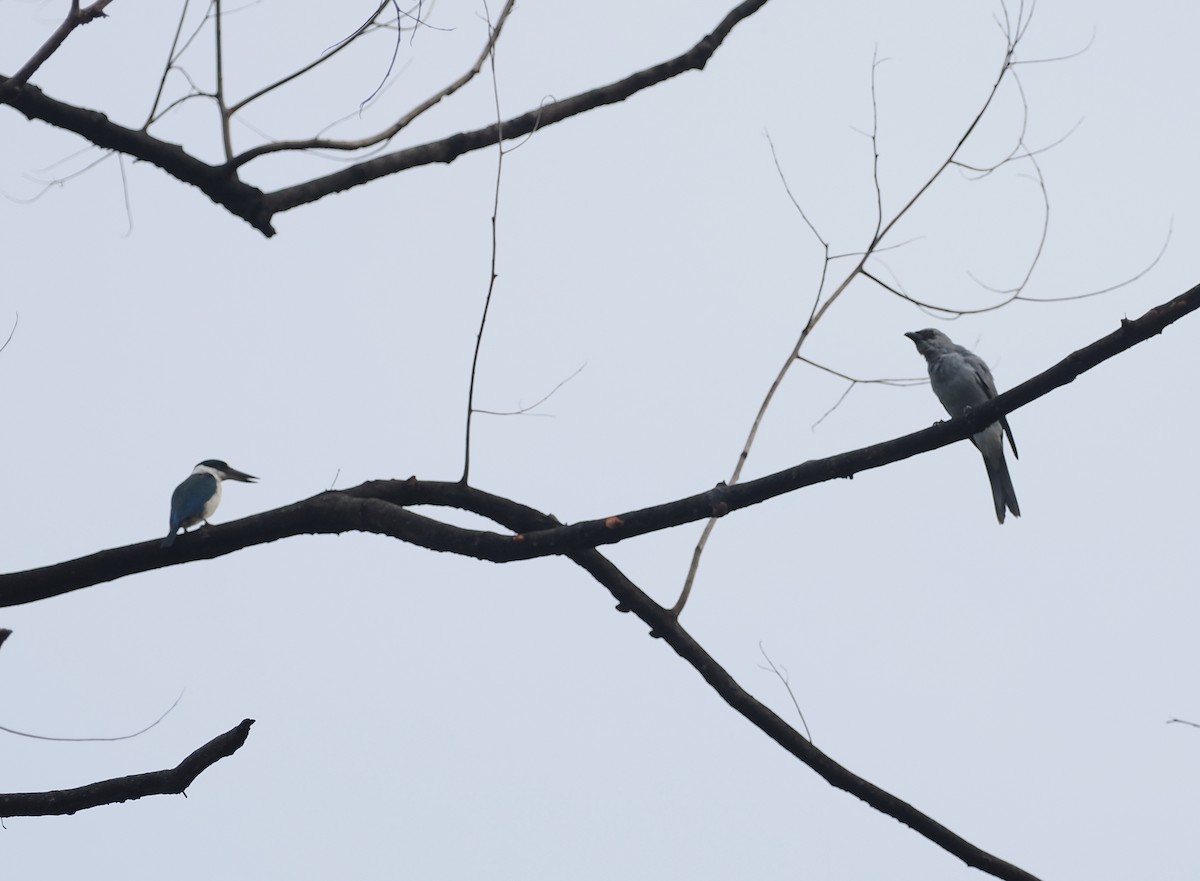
(211, 505)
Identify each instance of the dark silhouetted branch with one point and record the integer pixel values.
(173, 781)
(223, 186)
(449, 149)
(378, 506)
(666, 626)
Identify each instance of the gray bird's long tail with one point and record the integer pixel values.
(1003, 493)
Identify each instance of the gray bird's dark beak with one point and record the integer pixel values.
(912, 335)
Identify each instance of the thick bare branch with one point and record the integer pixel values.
(378, 506)
(225, 189)
(665, 625)
(221, 183)
(172, 781)
(523, 520)
(449, 149)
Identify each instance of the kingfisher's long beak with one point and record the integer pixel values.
(234, 474)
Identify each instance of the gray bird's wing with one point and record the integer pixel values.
(983, 375)
(1008, 431)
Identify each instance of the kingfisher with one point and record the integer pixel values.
(197, 497)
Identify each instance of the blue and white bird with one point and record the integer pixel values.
(197, 497)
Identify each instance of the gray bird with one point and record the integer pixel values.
(961, 381)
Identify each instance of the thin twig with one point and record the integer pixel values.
(171, 58)
(362, 29)
(396, 127)
(854, 381)
(880, 250)
(900, 382)
(1068, 57)
(1015, 292)
(396, 44)
(782, 673)
(125, 195)
(138, 733)
(16, 318)
(226, 134)
(941, 311)
(487, 301)
(875, 62)
(48, 185)
(521, 411)
(76, 17)
(1161, 253)
(177, 52)
(1012, 38)
(698, 551)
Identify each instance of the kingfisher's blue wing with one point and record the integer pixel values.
(187, 502)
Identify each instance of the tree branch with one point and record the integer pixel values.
(76, 17)
(396, 127)
(224, 188)
(880, 232)
(221, 183)
(449, 149)
(377, 506)
(172, 781)
(665, 625)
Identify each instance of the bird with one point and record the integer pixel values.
(195, 500)
(961, 380)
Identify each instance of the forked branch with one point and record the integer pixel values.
(395, 128)
(822, 302)
(76, 17)
(223, 186)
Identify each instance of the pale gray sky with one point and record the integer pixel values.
(424, 716)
